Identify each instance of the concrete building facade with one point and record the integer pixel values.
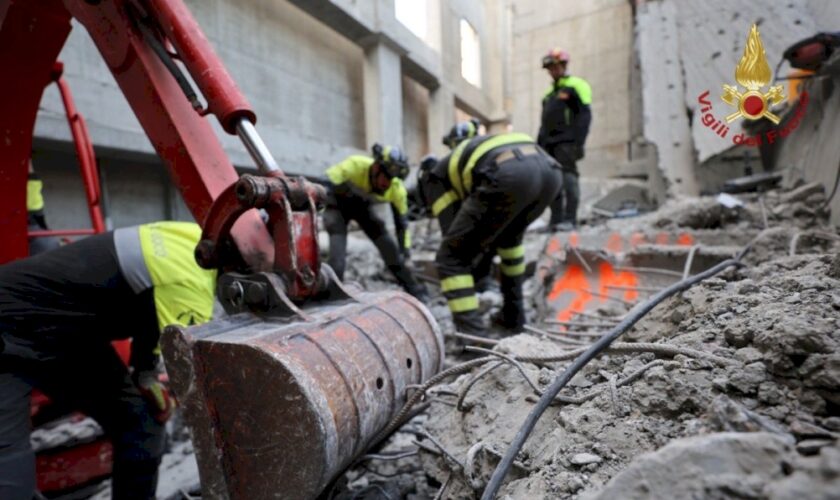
(326, 79)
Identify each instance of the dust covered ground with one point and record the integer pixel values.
(727, 390)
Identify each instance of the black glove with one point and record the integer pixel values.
(579, 152)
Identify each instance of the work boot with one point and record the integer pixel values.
(409, 283)
(512, 315)
(419, 292)
(469, 322)
(513, 321)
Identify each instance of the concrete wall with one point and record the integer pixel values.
(326, 78)
(688, 47)
(811, 153)
(134, 190)
(415, 111)
(598, 35)
(303, 80)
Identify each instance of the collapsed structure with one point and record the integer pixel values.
(728, 389)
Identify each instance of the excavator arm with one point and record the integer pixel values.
(301, 377)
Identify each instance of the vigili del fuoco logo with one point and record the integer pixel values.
(753, 74)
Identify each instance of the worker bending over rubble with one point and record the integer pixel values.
(354, 186)
(485, 194)
(59, 312)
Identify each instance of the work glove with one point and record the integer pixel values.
(155, 393)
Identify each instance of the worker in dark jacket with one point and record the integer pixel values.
(485, 194)
(59, 312)
(563, 129)
(355, 185)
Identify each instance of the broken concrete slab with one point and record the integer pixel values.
(714, 465)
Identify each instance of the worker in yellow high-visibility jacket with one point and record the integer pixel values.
(59, 312)
(354, 186)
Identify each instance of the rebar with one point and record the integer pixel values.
(443, 450)
(510, 360)
(633, 316)
(413, 400)
(554, 336)
(584, 324)
(474, 339)
(465, 389)
(387, 456)
(443, 487)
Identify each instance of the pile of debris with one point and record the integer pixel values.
(728, 389)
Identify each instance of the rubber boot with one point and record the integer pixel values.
(409, 283)
(469, 322)
(512, 315)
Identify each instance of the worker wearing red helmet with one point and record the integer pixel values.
(59, 312)
(355, 184)
(564, 126)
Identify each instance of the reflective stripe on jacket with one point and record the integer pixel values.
(161, 255)
(462, 161)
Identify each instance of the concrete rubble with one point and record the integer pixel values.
(748, 407)
(729, 389)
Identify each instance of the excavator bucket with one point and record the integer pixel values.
(279, 404)
(589, 280)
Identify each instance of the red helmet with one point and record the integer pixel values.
(555, 56)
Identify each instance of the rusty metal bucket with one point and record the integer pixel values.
(279, 406)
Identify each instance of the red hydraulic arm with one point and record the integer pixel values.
(87, 161)
(140, 40)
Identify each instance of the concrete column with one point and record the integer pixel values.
(441, 116)
(383, 95)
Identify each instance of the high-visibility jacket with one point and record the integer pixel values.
(161, 256)
(456, 169)
(35, 202)
(34, 198)
(566, 114)
(355, 170)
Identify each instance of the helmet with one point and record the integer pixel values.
(554, 56)
(427, 163)
(394, 162)
(461, 131)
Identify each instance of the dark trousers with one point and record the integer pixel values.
(91, 379)
(507, 197)
(564, 207)
(59, 310)
(336, 218)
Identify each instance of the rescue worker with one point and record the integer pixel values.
(485, 194)
(563, 129)
(354, 186)
(60, 310)
(36, 220)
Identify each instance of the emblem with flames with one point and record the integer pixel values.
(753, 73)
